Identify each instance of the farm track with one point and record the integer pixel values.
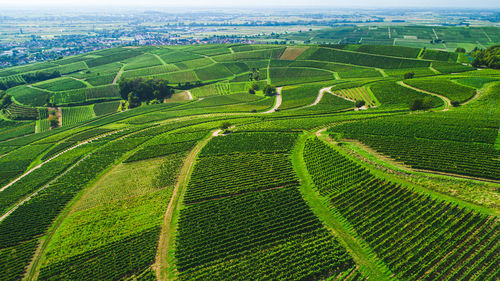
(118, 75)
(277, 103)
(447, 101)
(320, 95)
(52, 158)
(40, 189)
(162, 264)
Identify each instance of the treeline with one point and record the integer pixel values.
(487, 58)
(29, 78)
(138, 90)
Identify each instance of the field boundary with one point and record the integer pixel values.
(162, 265)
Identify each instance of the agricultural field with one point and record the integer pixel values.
(252, 162)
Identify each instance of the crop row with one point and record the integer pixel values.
(229, 175)
(32, 219)
(158, 150)
(356, 94)
(412, 233)
(114, 261)
(246, 216)
(250, 142)
(436, 128)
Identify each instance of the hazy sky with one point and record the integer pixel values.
(260, 3)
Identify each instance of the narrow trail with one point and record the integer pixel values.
(118, 75)
(162, 263)
(277, 103)
(189, 95)
(159, 58)
(50, 159)
(447, 101)
(320, 96)
(40, 189)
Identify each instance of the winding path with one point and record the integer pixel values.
(447, 102)
(277, 103)
(320, 95)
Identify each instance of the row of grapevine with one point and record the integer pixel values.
(440, 144)
(74, 115)
(415, 235)
(356, 94)
(245, 218)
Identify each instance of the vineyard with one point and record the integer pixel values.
(418, 237)
(356, 94)
(252, 162)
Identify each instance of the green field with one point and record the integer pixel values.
(180, 163)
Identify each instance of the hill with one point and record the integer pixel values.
(243, 162)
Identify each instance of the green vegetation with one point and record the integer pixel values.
(354, 168)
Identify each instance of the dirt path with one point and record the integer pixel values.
(320, 95)
(162, 263)
(447, 101)
(50, 159)
(277, 103)
(190, 95)
(159, 58)
(118, 75)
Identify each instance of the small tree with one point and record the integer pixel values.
(269, 90)
(225, 125)
(459, 50)
(255, 86)
(360, 103)
(251, 91)
(409, 75)
(416, 104)
(455, 103)
(427, 103)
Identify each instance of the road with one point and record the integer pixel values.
(277, 103)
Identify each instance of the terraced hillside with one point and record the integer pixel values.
(251, 162)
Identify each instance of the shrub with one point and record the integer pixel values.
(409, 75)
(360, 103)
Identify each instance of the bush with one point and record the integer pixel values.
(360, 103)
(225, 125)
(251, 91)
(269, 90)
(455, 103)
(409, 75)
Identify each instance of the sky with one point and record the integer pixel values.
(257, 3)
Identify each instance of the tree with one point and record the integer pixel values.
(459, 50)
(255, 86)
(360, 103)
(251, 91)
(455, 103)
(269, 90)
(225, 125)
(409, 75)
(416, 104)
(133, 100)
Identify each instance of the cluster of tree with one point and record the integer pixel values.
(360, 103)
(460, 50)
(253, 88)
(138, 90)
(269, 90)
(254, 74)
(53, 119)
(486, 58)
(32, 77)
(409, 75)
(5, 100)
(421, 104)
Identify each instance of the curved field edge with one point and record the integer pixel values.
(165, 262)
(367, 261)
